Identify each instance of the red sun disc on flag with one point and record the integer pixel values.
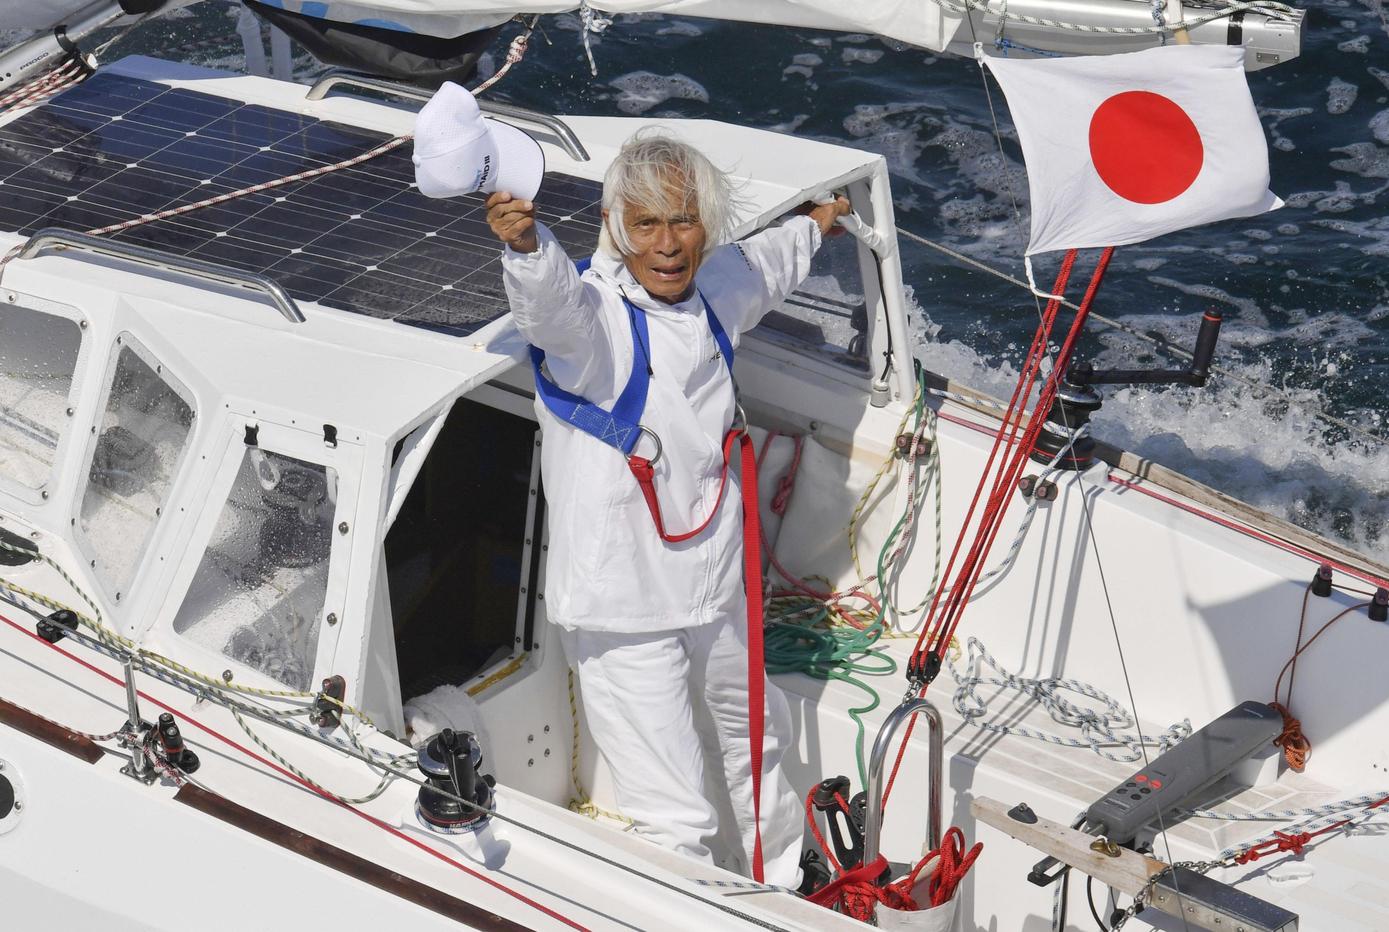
(1144, 147)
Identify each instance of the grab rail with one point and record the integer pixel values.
(566, 136)
(141, 255)
(872, 829)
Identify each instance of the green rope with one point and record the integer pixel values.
(804, 636)
(830, 652)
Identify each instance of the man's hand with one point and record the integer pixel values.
(826, 215)
(513, 221)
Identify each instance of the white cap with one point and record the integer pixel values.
(457, 151)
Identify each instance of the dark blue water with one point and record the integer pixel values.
(1304, 290)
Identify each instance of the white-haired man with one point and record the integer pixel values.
(646, 622)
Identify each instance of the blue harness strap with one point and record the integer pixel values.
(619, 428)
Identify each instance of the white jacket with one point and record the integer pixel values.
(608, 569)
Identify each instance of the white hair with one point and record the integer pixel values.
(641, 177)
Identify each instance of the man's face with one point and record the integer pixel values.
(669, 245)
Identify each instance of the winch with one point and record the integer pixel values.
(451, 761)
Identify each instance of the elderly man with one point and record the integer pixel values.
(650, 620)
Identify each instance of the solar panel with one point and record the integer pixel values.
(361, 239)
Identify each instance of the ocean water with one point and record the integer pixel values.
(1304, 290)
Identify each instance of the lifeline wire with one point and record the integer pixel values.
(387, 764)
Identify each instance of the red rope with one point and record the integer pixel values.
(857, 892)
(940, 626)
(385, 827)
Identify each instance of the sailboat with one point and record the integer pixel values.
(274, 649)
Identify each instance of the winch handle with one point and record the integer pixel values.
(1206, 338)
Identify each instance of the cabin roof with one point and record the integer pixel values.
(145, 135)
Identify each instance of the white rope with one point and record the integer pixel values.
(1101, 727)
(593, 23)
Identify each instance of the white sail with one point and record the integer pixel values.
(39, 14)
(918, 22)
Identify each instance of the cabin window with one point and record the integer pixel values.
(140, 441)
(260, 587)
(459, 553)
(827, 314)
(38, 355)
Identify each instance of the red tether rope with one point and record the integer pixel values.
(385, 827)
(757, 666)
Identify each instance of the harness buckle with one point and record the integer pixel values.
(740, 419)
(655, 438)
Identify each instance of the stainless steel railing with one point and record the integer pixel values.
(568, 140)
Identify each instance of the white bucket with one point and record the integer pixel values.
(932, 919)
(936, 919)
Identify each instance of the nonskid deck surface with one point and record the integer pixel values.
(360, 239)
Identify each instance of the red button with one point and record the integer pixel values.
(1157, 784)
(1142, 778)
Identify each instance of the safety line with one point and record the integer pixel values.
(588, 852)
(390, 829)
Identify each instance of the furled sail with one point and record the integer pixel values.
(918, 22)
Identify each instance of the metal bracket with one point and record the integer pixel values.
(568, 140)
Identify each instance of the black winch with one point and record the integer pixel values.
(451, 761)
(1077, 400)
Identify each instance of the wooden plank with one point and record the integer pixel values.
(369, 872)
(50, 733)
(1127, 872)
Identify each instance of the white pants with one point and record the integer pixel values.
(637, 691)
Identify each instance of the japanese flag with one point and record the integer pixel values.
(1122, 148)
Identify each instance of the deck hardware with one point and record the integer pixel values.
(171, 745)
(252, 435)
(848, 844)
(1105, 847)
(1379, 605)
(343, 527)
(199, 269)
(136, 731)
(1321, 583)
(332, 619)
(226, 676)
(904, 443)
(15, 550)
(451, 762)
(1023, 813)
(1077, 400)
(1027, 485)
(327, 707)
(568, 141)
(330, 436)
(56, 626)
(873, 818)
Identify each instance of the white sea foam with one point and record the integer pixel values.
(642, 90)
(1379, 126)
(1340, 96)
(680, 28)
(867, 56)
(1267, 448)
